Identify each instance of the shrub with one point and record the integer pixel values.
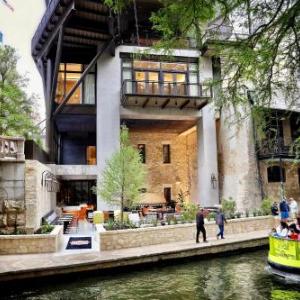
(266, 206)
(238, 214)
(228, 207)
(118, 225)
(211, 216)
(44, 229)
(189, 211)
(247, 213)
(254, 212)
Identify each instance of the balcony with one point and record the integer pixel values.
(276, 149)
(180, 95)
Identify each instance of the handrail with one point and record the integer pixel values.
(276, 148)
(160, 88)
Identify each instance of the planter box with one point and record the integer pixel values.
(31, 243)
(129, 238)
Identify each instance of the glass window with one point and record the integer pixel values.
(174, 67)
(143, 64)
(126, 64)
(74, 67)
(142, 151)
(91, 155)
(68, 76)
(193, 67)
(274, 174)
(166, 154)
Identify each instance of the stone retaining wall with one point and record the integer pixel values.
(119, 239)
(31, 243)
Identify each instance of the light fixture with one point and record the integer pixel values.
(213, 181)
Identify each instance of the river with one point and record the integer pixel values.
(233, 277)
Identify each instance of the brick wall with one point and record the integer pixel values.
(181, 173)
(272, 189)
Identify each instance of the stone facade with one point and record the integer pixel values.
(119, 239)
(25, 244)
(12, 194)
(238, 169)
(291, 185)
(181, 173)
(38, 200)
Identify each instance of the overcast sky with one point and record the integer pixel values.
(18, 28)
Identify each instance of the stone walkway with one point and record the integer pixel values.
(36, 265)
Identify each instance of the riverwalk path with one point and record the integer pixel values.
(13, 267)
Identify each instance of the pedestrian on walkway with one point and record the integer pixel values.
(220, 221)
(274, 209)
(200, 225)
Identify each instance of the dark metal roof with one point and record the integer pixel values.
(85, 22)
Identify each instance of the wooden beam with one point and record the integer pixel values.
(82, 77)
(165, 103)
(46, 47)
(145, 102)
(56, 63)
(184, 104)
(80, 40)
(202, 104)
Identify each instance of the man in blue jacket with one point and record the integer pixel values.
(220, 220)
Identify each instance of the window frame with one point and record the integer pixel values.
(142, 152)
(272, 178)
(168, 147)
(82, 98)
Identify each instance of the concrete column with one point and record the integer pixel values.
(207, 158)
(108, 113)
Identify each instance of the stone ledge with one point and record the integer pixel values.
(31, 243)
(130, 238)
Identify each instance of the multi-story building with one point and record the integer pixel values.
(99, 72)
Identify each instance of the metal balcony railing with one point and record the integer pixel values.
(275, 149)
(165, 89)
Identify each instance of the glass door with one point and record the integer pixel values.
(180, 80)
(153, 87)
(140, 78)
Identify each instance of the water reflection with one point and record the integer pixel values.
(237, 277)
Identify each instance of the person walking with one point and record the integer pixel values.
(220, 220)
(200, 225)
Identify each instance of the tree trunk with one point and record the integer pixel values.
(122, 208)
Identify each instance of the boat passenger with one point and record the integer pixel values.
(292, 234)
(282, 230)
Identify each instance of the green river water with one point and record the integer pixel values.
(233, 277)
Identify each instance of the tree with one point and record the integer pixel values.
(17, 115)
(123, 176)
(264, 59)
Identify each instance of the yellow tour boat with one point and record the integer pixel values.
(284, 257)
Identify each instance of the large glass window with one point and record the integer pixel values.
(165, 78)
(68, 75)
